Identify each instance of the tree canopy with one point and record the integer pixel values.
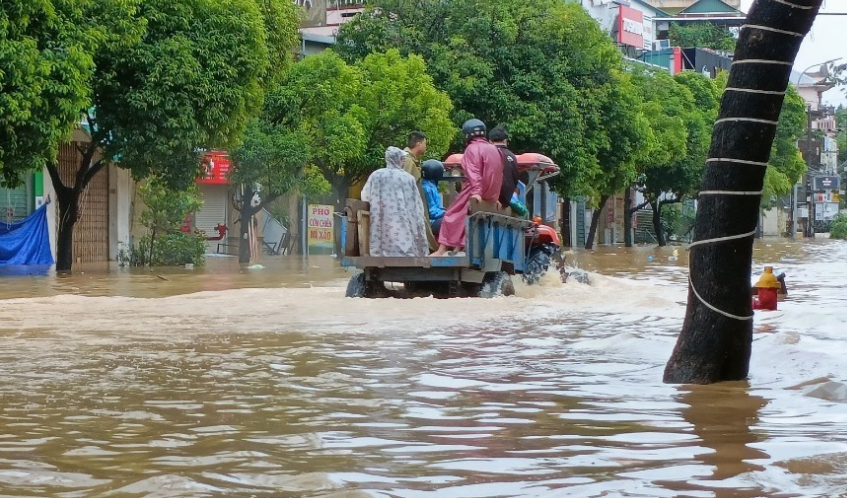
(47, 66)
(786, 165)
(153, 83)
(346, 115)
(542, 68)
(194, 80)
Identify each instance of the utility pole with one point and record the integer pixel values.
(794, 212)
(810, 226)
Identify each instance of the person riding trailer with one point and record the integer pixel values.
(482, 165)
(397, 221)
(432, 173)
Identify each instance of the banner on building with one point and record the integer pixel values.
(630, 27)
(321, 235)
(216, 167)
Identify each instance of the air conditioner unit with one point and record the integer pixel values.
(661, 44)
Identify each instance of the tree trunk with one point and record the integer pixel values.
(595, 220)
(716, 338)
(68, 215)
(657, 223)
(245, 220)
(67, 197)
(627, 218)
(567, 219)
(340, 188)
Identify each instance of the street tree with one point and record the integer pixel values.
(628, 139)
(668, 106)
(786, 165)
(46, 66)
(270, 162)
(347, 114)
(190, 79)
(536, 67)
(673, 159)
(716, 338)
(681, 177)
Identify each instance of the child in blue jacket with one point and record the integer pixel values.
(432, 173)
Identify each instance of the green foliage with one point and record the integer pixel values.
(344, 116)
(841, 138)
(786, 165)
(544, 69)
(165, 209)
(627, 135)
(192, 82)
(46, 68)
(701, 35)
(681, 110)
(270, 156)
(678, 221)
(281, 19)
(164, 212)
(838, 230)
(171, 249)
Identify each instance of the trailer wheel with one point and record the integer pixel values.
(536, 266)
(496, 284)
(357, 286)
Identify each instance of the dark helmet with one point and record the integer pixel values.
(473, 128)
(433, 170)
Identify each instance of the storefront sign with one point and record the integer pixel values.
(216, 169)
(320, 226)
(826, 182)
(630, 27)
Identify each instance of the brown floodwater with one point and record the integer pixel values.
(226, 381)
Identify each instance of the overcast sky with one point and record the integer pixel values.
(827, 40)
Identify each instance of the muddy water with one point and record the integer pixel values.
(267, 382)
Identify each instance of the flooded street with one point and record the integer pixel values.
(268, 382)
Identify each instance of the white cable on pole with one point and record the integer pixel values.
(794, 5)
(720, 239)
(746, 120)
(763, 61)
(773, 30)
(739, 161)
(729, 192)
(750, 90)
(714, 308)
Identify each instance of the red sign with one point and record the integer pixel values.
(216, 166)
(630, 27)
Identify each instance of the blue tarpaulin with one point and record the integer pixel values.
(26, 242)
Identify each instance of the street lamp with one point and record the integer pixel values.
(810, 226)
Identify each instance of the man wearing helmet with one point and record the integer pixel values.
(482, 165)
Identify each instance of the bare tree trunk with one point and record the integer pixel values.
(246, 219)
(595, 220)
(567, 219)
(716, 338)
(657, 223)
(627, 218)
(68, 197)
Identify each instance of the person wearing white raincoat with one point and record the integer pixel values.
(397, 220)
